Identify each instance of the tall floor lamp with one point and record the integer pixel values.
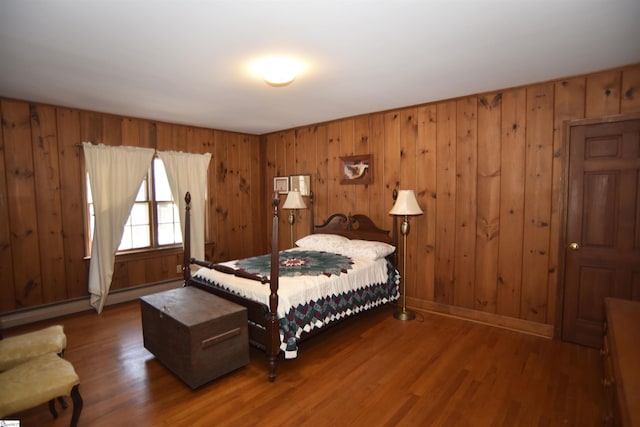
(293, 202)
(406, 204)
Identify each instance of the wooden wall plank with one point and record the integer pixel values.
(281, 170)
(289, 158)
(603, 94)
(164, 137)
(466, 167)
(569, 104)
(148, 138)
(361, 146)
(512, 183)
(334, 152)
(91, 124)
(630, 92)
(259, 208)
(347, 191)
(305, 155)
(23, 209)
(72, 183)
(112, 129)
(488, 201)
(390, 169)
(233, 221)
(47, 179)
(321, 192)
(179, 140)
(537, 207)
(445, 202)
(131, 132)
(211, 226)
(269, 173)
(7, 289)
(380, 197)
(425, 225)
(223, 198)
(245, 229)
(408, 170)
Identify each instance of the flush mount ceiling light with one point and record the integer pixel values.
(277, 71)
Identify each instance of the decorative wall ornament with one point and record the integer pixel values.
(356, 169)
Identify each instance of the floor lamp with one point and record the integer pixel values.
(293, 202)
(406, 204)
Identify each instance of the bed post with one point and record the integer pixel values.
(186, 261)
(273, 349)
(312, 225)
(394, 233)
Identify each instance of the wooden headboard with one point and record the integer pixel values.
(354, 227)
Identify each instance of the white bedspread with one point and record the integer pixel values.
(300, 290)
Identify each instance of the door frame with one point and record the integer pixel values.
(563, 202)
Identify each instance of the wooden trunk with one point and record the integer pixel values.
(196, 335)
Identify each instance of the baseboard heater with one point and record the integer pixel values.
(78, 305)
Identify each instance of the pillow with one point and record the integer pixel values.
(368, 249)
(323, 242)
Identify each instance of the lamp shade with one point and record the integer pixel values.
(294, 201)
(406, 204)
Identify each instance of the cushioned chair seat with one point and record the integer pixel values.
(18, 349)
(37, 381)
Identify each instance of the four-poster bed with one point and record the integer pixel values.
(345, 266)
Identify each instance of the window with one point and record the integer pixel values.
(154, 220)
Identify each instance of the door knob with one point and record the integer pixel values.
(574, 246)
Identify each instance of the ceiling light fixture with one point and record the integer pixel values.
(278, 71)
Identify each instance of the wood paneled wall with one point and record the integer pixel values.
(487, 170)
(42, 234)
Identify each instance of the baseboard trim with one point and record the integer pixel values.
(65, 308)
(492, 319)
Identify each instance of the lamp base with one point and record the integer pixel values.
(404, 314)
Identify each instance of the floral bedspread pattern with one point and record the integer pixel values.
(298, 263)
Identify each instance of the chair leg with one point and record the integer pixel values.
(52, 408)
(77, 405)
(63, 403)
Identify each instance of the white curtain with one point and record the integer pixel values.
(115, 175)
(188, 172)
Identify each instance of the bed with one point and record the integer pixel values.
(343, 267)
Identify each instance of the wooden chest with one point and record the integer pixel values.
(195, 334)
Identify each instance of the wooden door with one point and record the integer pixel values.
(603, 225)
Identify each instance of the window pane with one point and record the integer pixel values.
(143, 195)
(168, 224)
(92, 225)
(89, 195)
(140, 235)
(139, 214)
(165, 213)
(126, 242)
(162, 189)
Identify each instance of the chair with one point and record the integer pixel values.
(21, 348)
(39, 380)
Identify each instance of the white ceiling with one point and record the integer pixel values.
(184, 61)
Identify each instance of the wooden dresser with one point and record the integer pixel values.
(195, 334)
(621, 357)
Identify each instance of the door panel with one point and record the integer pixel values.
(603, 225)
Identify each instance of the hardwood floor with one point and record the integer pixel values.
(373, 370)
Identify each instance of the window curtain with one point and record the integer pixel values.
(115, 175)
(187, 172)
